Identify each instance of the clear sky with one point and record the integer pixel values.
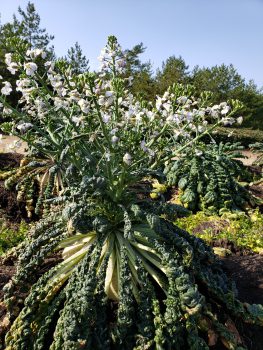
(203, 32)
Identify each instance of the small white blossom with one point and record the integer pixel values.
(143, 146)
(114, 139)
(182, 100)
(12, 67)
(35, 53)
(108, 93)
(227, 121)
(24, 127)
(106, 118)
(30, 68)
(239, 120)
(84, 106)
(158, 103)
(127, 158)
(215, 107)
(198, 152)
(7, 111)
(167, 106)
(225, 110)
(8, 58)
(223, 105)
(107, 156)
(77, 120)
(7, 88)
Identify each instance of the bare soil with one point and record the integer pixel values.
(9, 160)
(7, 142)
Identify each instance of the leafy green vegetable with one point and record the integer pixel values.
(206, 176)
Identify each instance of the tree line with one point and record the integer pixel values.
(223, 80)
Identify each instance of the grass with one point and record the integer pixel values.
(243, 230)
(10, 236)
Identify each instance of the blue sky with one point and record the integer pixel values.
(203, 32)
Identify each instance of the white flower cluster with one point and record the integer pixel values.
(112, 58)
(102, 105)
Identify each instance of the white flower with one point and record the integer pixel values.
(165, 95)
(239, 120)
(143, 146)
(12, 67)
(227, 121)
(8, 58)
(77, 120)
(189, 116)
(182, 99)
(223, 104)
(36, 52)
(7, 88)
(30, 68)
(106, 118)
(49, 65)
(215, 107)
(225, 110)
(101, 100)
(1, 78)
(7, 111)
(84, 106)
(113, 131)
(150, 115)
(60, 103)
(127, 158)
(198, 152)
(24, 126)
(214, 113)
(167, 106)
(114, 139)
(108, 93)
(158, 103)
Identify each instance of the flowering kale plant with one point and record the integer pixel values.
(129, 279)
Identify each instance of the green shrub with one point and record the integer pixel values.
(245, 136)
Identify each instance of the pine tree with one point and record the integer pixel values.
(77, 60)
(30, 28)
(174, 70)
(143, 82)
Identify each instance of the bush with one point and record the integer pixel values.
(245, 136)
